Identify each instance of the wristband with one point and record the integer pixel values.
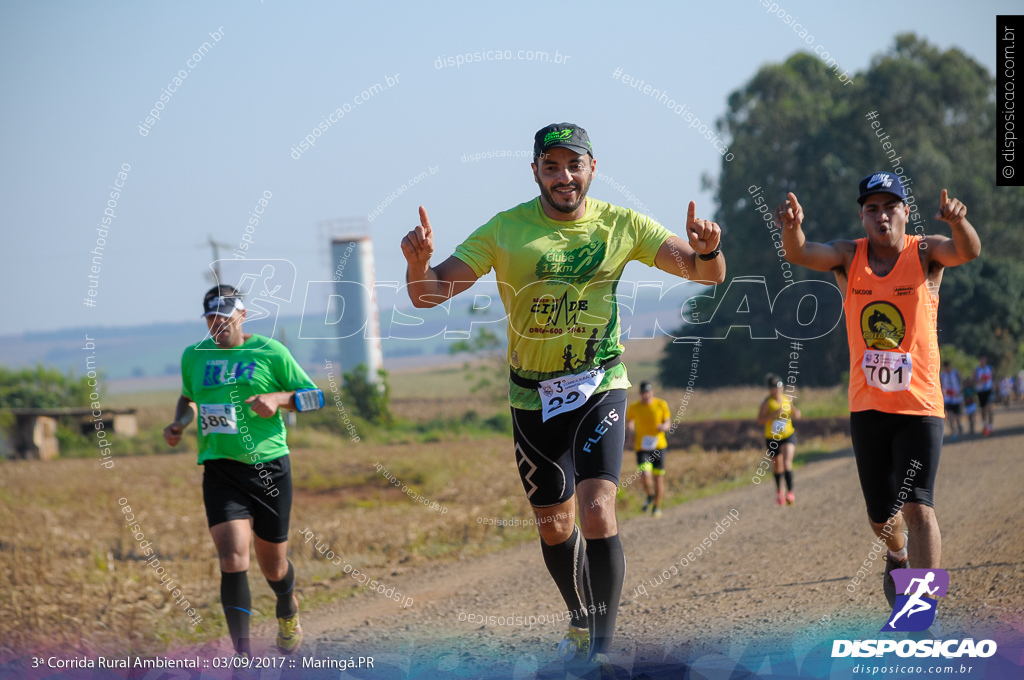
(309, 400)
(713, 254)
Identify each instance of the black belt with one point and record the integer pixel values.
(534, 384)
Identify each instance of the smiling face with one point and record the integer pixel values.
(884, 217)
(564, 177)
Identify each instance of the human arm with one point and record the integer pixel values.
(964, 246)
(680, 258)
(266, 405)
(184, 413)
(430, 286)
(821, 257)
(767, 415)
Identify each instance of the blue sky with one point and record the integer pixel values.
(78, 79)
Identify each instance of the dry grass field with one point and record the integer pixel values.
(73, 575)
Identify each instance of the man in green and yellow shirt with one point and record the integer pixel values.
(558, 259)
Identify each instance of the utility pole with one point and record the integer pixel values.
(216, 256)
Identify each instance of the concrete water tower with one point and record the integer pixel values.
(352, 262)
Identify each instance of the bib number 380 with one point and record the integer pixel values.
(887, 371)
(218, 419)
(568, 393)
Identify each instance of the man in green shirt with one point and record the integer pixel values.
(239, 383)
(558, 259)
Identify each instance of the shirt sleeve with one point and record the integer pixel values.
(649, 236)
(478, 250)
(291, 374)
(186, 378)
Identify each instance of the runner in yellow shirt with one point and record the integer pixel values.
(650, 419)
(777, 414)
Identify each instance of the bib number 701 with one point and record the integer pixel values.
(887, 371)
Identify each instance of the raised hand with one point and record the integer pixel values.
(703, 235)
(790, 213)
(951, 210)
(418, 244)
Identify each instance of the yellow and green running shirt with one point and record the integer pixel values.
(557, 281)
(220, 380)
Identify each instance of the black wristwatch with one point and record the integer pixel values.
(713, 254)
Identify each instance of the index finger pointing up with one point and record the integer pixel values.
(691, 214)
(425, 221)
(795, 203)
(943, 199)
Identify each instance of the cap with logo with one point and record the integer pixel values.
(565, 135)
(881, 183)
(222, 300)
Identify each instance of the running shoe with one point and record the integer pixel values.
(289, 633)
(888, 584)
(987, 432)
(954, 438)
(656, 512)
(647, 504)
(780, 498)
(575, 645)
(790, 498)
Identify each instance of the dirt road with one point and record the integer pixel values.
(773, 585)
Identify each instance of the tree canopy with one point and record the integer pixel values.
(796, 127)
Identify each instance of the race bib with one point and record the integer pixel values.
(568, 393)
(887, 371)
(218, 419)
(649, 443)
(778, 426)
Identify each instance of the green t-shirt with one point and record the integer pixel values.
(557, 281)
(220, 380)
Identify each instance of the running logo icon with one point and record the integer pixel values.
(915, 609)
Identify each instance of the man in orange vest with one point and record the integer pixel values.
(890, 282)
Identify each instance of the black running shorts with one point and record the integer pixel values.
(952, 408)
(235, 490)
(984, 396)
(583, 444)
(897, 459)
(774, 444)
(651, 461)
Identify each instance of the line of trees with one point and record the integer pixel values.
(795, 127)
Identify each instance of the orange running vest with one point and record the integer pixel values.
(891, 327)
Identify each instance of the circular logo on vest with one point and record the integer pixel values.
(882, 325)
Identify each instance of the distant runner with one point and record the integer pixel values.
(952, 397)
(983, 383)
(558, 259)
(970, 401)
(891, 284)
(239, 383)
(650, 419)
(777, 414)
(1006, 391)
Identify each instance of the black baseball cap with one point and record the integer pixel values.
(222, 300)
(645, 386)
(881, 183)
(565, 135)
